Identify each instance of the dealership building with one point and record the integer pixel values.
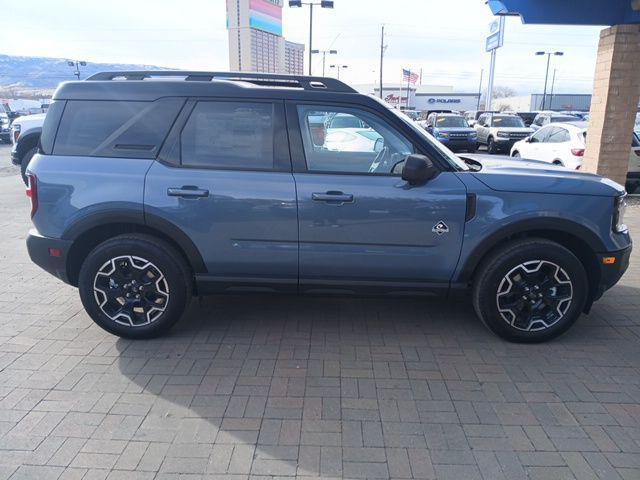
(256, 43)
(423, 97)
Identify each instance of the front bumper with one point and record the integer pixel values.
(15, 158)
(50, 254)
(5, 136)
(612, 267)
(460, 144)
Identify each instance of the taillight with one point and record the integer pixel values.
(578, 152)
(32, 192)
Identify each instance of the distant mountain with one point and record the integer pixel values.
(46, 73)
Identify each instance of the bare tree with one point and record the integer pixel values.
(503, 92)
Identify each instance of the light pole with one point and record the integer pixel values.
(324, 56)
(300, 3)
(546, 75)
(338, 67)
(77, 64)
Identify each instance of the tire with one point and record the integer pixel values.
(496, 287)
(25, 162)
(516, 154)
(491, 146)
(147, 262)
(558, 163)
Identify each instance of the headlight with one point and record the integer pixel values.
(619, 209)
(473, 134)
(503, 134)
(442, 134)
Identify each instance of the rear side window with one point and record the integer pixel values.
(51, 121)
(115, 129)
(235, 135)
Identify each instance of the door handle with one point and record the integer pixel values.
(187, 191)
(332, 197)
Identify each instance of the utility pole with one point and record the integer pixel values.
(553, 84)
(322, 4)
(546, 75)
(480, 88)
(382, 47)
(310, 33)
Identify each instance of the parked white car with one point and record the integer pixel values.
(561, 144)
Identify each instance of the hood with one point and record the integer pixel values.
(37, 118)
(513, 175)
(514, 129)
(455, 129)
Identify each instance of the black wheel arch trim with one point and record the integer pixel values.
(27, 141)
(558, 225)
(143, 219)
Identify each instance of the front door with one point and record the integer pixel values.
(228, 187)
(360, 226)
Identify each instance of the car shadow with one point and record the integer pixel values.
(276, 385)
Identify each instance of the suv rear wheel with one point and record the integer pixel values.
(134, 286)
(530, 291)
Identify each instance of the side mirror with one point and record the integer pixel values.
(418, 170)
(379, 145)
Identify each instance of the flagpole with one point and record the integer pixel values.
(408, 90)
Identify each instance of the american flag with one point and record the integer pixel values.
(409, 76)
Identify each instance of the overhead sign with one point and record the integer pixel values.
(495, 39)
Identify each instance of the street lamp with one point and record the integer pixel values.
(77, 64)
(546, 75)
(324, 56)
(338, 67)
(322, 4)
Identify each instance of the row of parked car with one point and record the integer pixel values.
(555, 138)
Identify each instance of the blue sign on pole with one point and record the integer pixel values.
(495, 39)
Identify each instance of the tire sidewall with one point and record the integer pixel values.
(164, 259)
(25, 163)
(487, 303)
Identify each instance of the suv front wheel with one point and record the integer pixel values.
(531, 290)
(134, 286)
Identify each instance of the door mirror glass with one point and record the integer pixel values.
(418, 170)
(379, 145)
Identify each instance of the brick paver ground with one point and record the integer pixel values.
(308, 387)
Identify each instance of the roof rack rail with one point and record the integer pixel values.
(261, 79)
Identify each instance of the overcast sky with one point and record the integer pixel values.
(445, 39)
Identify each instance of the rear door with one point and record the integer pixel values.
(361, 227)
(224, 179)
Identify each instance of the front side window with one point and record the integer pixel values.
(360, 142)
(229, 135)
(541, 135)
(558, 135)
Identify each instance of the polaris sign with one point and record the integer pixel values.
(444, 100)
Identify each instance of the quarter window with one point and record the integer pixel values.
(229, 135)
(350, 141)
(115, 128)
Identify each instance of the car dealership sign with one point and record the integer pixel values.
(444, 100)
(495, 39)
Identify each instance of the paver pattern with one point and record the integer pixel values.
(263, 386)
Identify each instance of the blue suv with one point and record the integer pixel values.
(452, 130)
(145, 193)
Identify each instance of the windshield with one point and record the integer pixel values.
(452, 122)
(506, 121)
(453, 160)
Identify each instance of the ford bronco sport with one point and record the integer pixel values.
(145, 193)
